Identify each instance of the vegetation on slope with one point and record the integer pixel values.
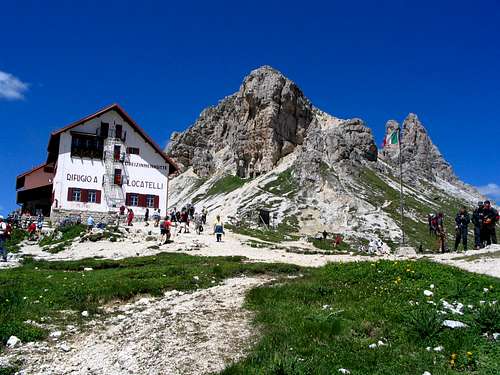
(284, 231)
(417, 233)
(328, 319)
(284, 184)
(226, 185)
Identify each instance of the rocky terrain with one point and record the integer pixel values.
(268, 147)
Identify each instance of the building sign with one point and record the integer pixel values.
(145, 165)
(81, 178)
(145, 184)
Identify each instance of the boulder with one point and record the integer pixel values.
(13, 341)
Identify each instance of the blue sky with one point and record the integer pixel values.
(166, 61)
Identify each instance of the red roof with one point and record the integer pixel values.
(55, 134)
(32, 170)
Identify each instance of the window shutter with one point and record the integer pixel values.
(98, 196)
(156, 201)
(142, 200)
(70, 194)
(84, 195)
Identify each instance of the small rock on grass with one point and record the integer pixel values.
(13, 341)
(85, 313)
(454, 324)
(344, 371)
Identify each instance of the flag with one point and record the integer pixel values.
(392, 138)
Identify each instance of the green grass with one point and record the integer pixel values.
(284, 231)
(63, 235)
(284, 184)
(226, 184)
(328, 245)
(367, 302)
(43, 289)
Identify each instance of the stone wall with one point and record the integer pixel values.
(56, 215)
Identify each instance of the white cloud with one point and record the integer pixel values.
(492, 190)
(11, 87)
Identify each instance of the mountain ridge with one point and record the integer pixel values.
(269, 131)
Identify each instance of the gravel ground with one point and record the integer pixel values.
(181, 333)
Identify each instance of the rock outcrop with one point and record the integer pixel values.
(249, 131)
(421, 158)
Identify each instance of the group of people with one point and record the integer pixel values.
(484, 219)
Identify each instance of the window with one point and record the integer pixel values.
(133, 150)
(150, 201)
(76, 195)
(104, 129)
(116, 152)
(118, 177)
(134, 200)
(92, 196)
(86, 146)
(118, 131)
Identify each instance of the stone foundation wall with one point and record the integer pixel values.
(57, 214)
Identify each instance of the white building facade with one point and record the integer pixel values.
(104, 163)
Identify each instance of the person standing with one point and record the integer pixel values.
(490, 219)
(477, 220)
(165, 230)
(218, 228)
(90, 223)
(441, 232)
(462, 221)
(204, 213)
(130, 217)
(3, 238)
(146, 216)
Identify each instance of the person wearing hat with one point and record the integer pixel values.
(490, 219)
(477, 220)
(3, 237)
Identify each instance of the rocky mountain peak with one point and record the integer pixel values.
(248, 132)
(421, 158)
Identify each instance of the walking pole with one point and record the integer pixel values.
(401, 189)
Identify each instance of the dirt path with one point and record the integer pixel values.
(191, 333)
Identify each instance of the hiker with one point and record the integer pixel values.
(218, 228)
(462, 221)
(173, 217)
(130, 217)
(122, 210)
(338, 241)
(191, 211)
(3, 238)
(441, 232)
(489, 222)
(198, 225)
(477, 220)
(146, 216)
(156, 217)
(165, 230)
(433, 225)
(184, 219)
(178, 216)
(204, 213)
(39, 223)
(90, 223)
(325, 235)
(32, 231)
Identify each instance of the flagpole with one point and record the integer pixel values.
(401, 198)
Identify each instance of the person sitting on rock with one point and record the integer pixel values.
(462, 221)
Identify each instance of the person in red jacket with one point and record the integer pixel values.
(130, 217)
(32, 231)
